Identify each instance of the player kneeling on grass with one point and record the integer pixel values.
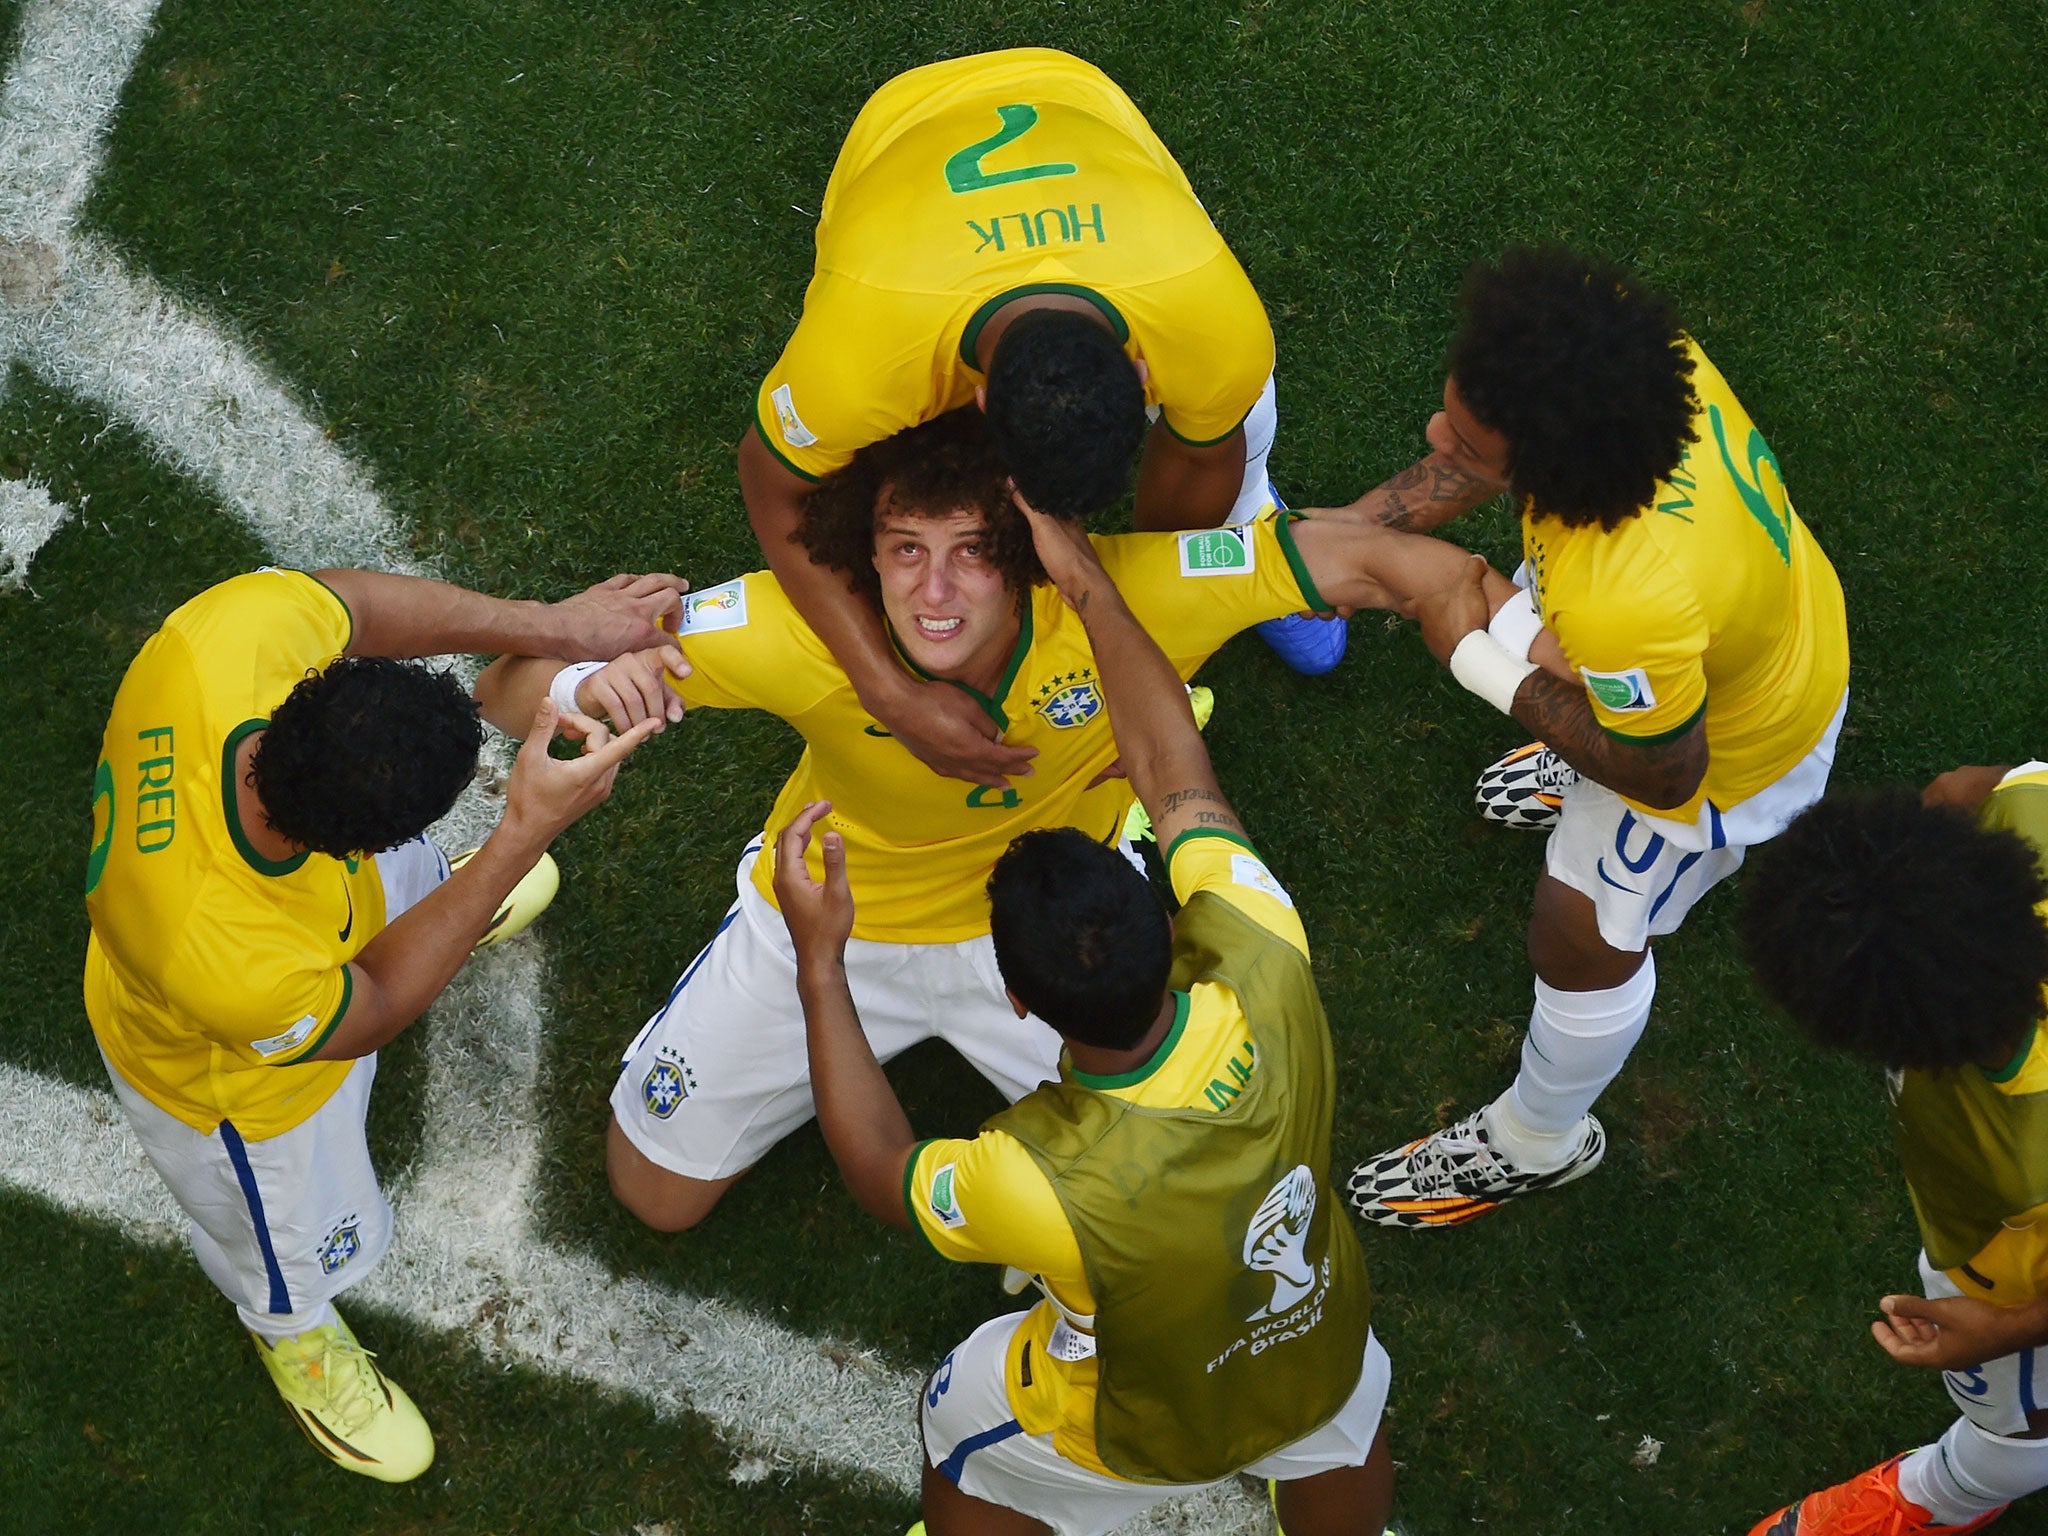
(1205, 1308)
(1913, 933)
(267, 911)
(1708, 669)
(921, 529)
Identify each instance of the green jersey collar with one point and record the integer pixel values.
(232, 810)
(970, 339)
(2011, 1069)
(1158, 1058)
(991, 704)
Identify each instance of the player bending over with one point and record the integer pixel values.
(267, 912)
(1709, 670)
(1912, 934)
(1008, 227)
(921, 529)
(1205, 1304)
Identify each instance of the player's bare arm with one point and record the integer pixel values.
(1556, 707)
(637, 686)
(1955, 1333)
(1966, 787)
(1185, 485)
(864, 1125)
(944, 728)
(408, 616)
(1422, 497)
(401, 971)
(1360, 563)
(1162, 752)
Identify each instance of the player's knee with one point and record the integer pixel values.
(665, 1201)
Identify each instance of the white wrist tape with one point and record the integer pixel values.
(563, 689)
(1517, 625)
(1484, 666)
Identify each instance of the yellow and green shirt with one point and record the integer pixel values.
(983, 1199)
(1974, 1143)
(213, 973)
(1712, 603)
(966, 184)
(919, 847)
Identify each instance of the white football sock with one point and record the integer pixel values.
(1969, 1472)
(1576, 1044)
(273, 1326)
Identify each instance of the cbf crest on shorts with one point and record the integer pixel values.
(1070, 700)
(340, 1245)
(667, 1083)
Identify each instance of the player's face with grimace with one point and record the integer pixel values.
(947, 601)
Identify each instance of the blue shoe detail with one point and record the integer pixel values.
(1310, 646)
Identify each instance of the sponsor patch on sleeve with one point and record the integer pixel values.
(290, 1040)
(944, 1203)
(1621, 692)
(1218, 552)
(720, 607)
(1248, 871)
(794, 432)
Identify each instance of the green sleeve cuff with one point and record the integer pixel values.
(1661, 737)
(1283, 529)
(1178, 436)
(348, 985)
(1229, 837)
(768, 442)
(910, 1205)
(347, 612)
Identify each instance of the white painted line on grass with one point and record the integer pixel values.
(27, 519)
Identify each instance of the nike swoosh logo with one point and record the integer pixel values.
(348, 927)
(876, 730)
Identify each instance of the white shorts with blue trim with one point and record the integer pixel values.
(721, 1073)
(1998, 1395)
(283, 1224)
(1645, 873)
(974, 1441)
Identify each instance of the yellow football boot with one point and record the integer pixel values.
(529, 898)
(354, 1414)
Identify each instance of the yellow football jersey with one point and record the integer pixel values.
(983, 1200)
(212, 973)
(919, 847)
(969, 183)
(1713, 601)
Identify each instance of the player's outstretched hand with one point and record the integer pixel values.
(819, 913)
(1063, 549)
(626, 613)
(951, 734)
(635, 687)
(547, 793)
(1948, 1334)
(1966, 787)
(1452, 612)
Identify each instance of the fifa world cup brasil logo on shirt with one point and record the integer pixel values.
(1276, 1242)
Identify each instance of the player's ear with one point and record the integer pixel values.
(1017, 1004)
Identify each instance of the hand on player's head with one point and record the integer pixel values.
(1454, 610)
(1063, 549)
(547, 794)
(636, 687)
(819, 912)
(624, 613)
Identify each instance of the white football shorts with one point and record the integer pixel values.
(721, 1073)
(283, 1224)
(1644, 873)
(971, 1437)
(1998, 1395)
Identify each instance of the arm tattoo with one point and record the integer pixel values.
(1181, 797)
(1664, 773)
(1427, 494)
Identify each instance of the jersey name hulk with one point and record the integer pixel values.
(964, 173)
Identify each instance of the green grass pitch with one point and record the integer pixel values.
(527, 262)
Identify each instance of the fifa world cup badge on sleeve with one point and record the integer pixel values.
(715, 608)
(1623, 692)
(944, 1203)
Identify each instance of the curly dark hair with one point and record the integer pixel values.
(941, 466)
(1066, 411)
(1080, 937)
(1902, 933)
(1584, 371)
(365, 754)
